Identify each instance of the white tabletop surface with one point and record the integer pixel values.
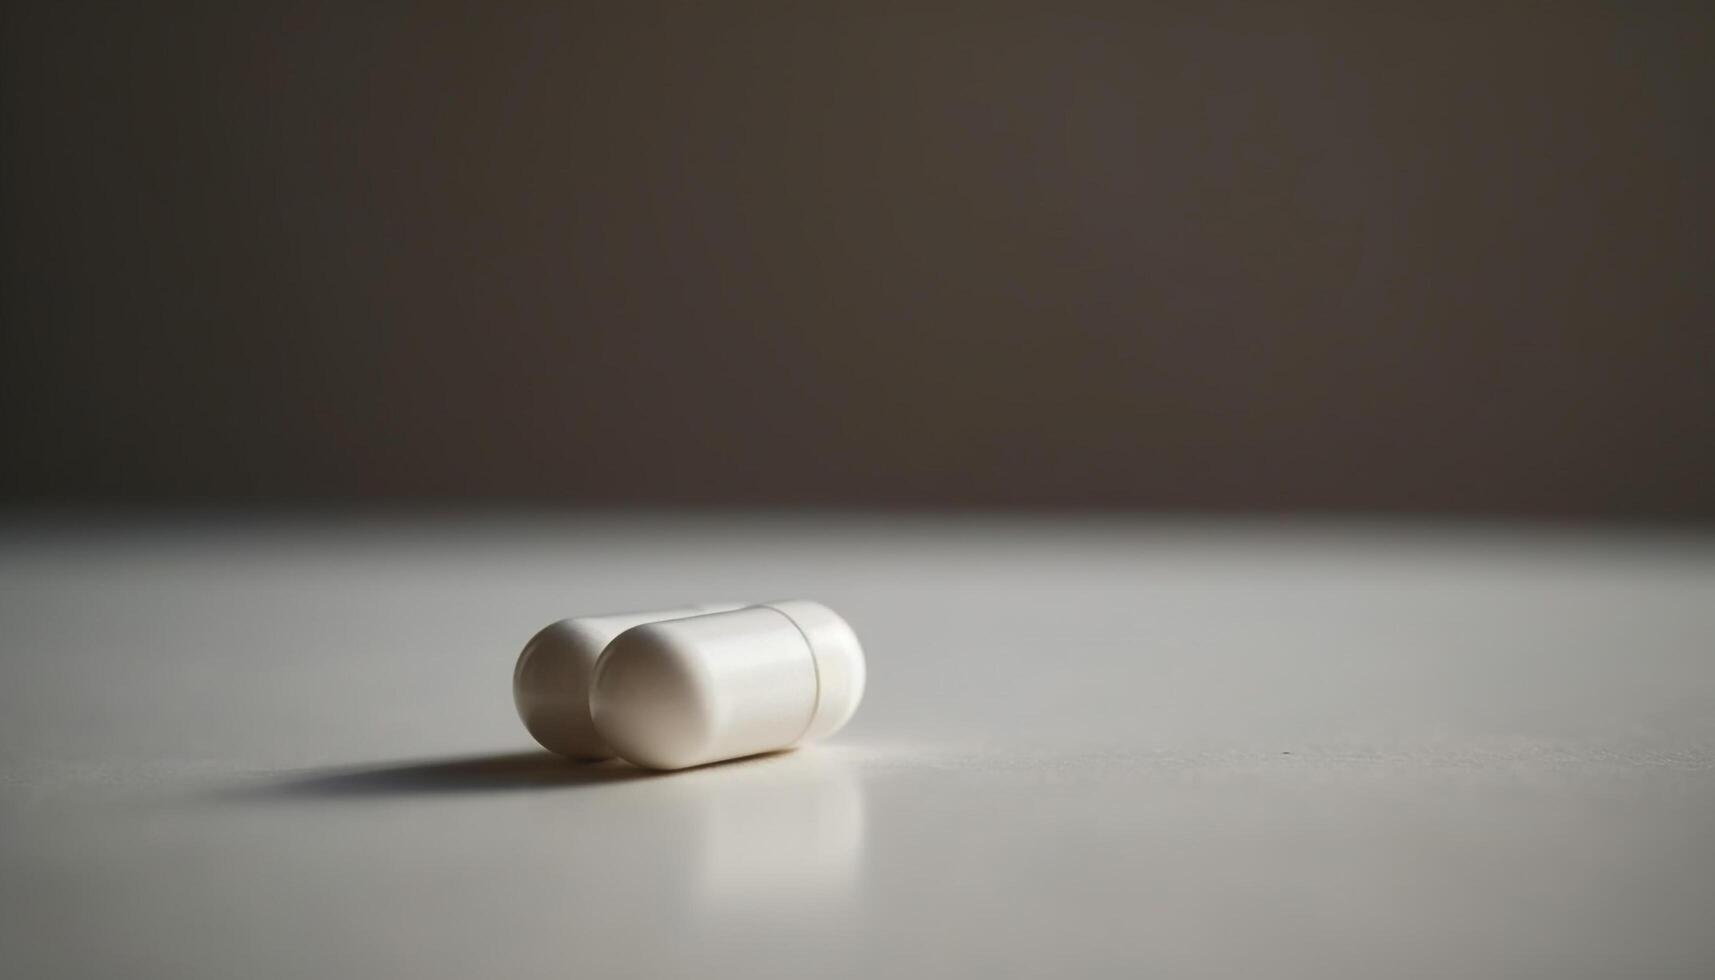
(1096, 747)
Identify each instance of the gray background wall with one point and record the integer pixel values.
(1434, 257)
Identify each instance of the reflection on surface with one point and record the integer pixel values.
(734, 847)
(781, 836)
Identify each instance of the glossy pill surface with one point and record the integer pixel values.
(684, 692)
(551, 683)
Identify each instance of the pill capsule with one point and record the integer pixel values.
(683, 692)
(551, 684)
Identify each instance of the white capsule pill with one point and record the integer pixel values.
(667, 695)
(551, 684)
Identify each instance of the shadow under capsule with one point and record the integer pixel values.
(511, 771)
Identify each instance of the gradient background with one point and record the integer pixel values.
(1449, 257)
(1265, 450)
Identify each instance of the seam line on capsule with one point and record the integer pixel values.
(816, 669)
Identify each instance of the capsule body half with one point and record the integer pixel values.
(685, 692)
(551, 683)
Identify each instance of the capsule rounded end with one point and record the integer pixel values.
(652, 701)
(841, 672)
(551, 687)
